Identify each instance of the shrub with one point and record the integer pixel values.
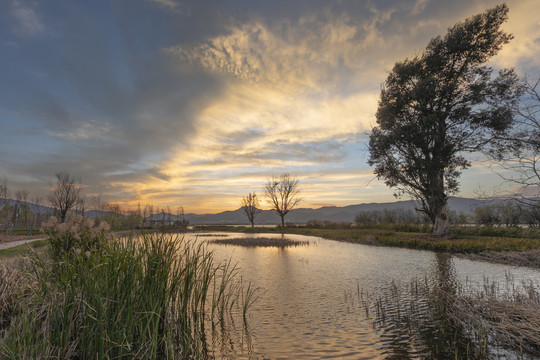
(75, 236)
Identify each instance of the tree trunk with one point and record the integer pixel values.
(442, 224)
(63, 215)
(282, 220)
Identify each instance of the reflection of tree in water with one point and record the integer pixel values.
(444, 335)
(417, 320)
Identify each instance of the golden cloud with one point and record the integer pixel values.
(525, 47)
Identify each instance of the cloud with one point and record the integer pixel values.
(419, 6)
(276, 109)
(522, 52)
(254, 52)
(270, 129)
(175, 6)
(163, 102)
(28, 22)
(87, 131)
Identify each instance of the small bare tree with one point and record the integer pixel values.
(65, 195)
(21, 209)
(518, 151)
(36, 210)
(283, 194)
(4, 196)
(97, 205)
(80, 206)
(250, 206)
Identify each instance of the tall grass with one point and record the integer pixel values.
(134, 298)
(443, 319)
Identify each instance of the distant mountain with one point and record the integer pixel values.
(302, 215)
(40, 209)
(327, 213)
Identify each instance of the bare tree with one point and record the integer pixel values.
(36, 210)
(80, 206)
(250, 206)
(4, 196)
(65, 194)
(149, 209)
(21, 208)
(139, 215)
(4, 193)
(145, 213)
(113, 214)
(180, 218)
(283, 194)
(519, 152)
(97, 205)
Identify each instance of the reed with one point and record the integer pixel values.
(447, 320)
(131, 298)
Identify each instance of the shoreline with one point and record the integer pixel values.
(10, 241)
(528, 258)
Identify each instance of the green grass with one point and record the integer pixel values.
(23, 249)
(136, 298)
(20, 232)
(464, 239)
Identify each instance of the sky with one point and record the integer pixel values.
(197, 103)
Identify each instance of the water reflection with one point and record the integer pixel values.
(349, 301)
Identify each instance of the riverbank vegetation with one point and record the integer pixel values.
(496, 243)
(509, 245)
(132, 298)
(445, 319)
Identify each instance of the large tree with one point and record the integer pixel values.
(65, 195)
(250, 206)
(283, 194)
(438, 106)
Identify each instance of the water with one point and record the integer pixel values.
(318, 301)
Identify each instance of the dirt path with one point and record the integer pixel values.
(7, 245)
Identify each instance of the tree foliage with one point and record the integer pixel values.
(438, 106)
(283, 194)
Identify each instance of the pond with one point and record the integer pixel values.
(333, 299)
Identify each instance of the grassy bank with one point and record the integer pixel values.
(464, 239)
(22, 250)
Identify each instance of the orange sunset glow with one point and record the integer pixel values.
(195, 104)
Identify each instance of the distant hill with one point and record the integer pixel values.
(301, 215)
(327, 213)
(40, 209)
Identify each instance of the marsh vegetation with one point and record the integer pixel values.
(92, 296)
(280, 242)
